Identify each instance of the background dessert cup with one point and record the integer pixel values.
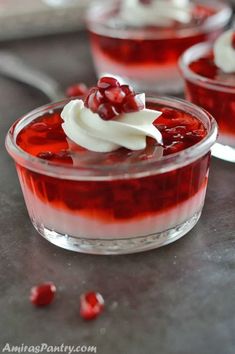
(216, 96)
(146, 56)
(117, 207)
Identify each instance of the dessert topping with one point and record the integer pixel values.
(224, 52)
(111, 117)
(158, 12)
(109, 99)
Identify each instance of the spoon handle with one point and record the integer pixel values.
(13, 67)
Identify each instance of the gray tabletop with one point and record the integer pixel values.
(175, 300)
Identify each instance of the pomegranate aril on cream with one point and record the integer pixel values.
(94, 101)
(107, 82)
(127, 89)
(109, 99)
(115, 95)
(106, 111)
(43, 294)
(91, 305)
(133, 103)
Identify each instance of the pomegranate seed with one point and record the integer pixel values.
(47, 155)
(118, 108)
(110, 98)
(91, 305)
(94, 101)
(115, 94)
(106, 82)
(133, 104)
(128, 90)
(92, 90)
(106, 111)
(233, 40)
(79, 89)
(43, 294)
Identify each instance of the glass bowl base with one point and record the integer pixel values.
(110, 246)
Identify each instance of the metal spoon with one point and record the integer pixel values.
(13, 67)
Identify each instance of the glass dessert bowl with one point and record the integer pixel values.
(140, 185)
(141, 41)
(213, 87)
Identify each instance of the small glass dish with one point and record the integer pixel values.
(216, 96)
(129, 202)
(146, 57)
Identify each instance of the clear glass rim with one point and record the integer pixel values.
(216, 21)
(98, 172)
(194, 53)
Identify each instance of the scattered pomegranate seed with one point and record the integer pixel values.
(79, 89)
(91, 305)
(233, 40)
(43, 294)
(133, 104)
(106, 111)
(106, 82)
(115, 95)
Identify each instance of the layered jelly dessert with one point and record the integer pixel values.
(113, 173)
(209, 73)
(141, 41)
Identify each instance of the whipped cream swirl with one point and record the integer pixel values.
(90, 131)
(224, 52)
(157, 12)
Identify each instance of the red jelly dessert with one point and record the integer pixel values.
(145, 52)
(118, 201)
(210, 87)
